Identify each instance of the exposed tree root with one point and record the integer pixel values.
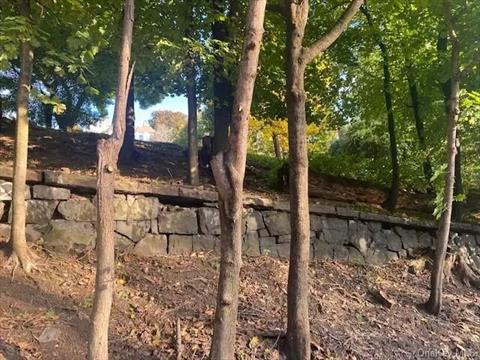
(14, 261)
(461, 264)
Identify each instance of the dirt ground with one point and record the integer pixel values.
(47, 317)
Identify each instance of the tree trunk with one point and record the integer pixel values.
(298, 327)
(48, 116)
(298, 57)
(191, 90)
(128, 147)
(193, 177)
(229, 172)
(419, 126)
(107, 158)
(222, 86)
(18, 243)
(277, 146)
(392, 198)
(457, 210)
(434, 303)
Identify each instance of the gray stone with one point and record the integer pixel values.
(359, 235)
(134, 230)
(4, 232)
(123, 243)
(154, 226)
(263, 233)
(355, 256)
(151, 245)
(277, 223)
(39, 211)
(408, 236)
(387, 239)
(315, 222)
(467, 240)
(334, 231)
(283, 250)
(323, 250)
(374, 227)
(206, 243)
(347, 212)
(340, 253)
(78, 210)
(255, 221)
(425, 240)
(67, 235)
(6, 191)
(136, 208)
(379, 257)
(283, 239)
(50, 193)
(34, 232)
(251, 244)
(180, 221)
(209, 219)
(180, 244)
(268, 246)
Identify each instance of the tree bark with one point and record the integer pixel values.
(298, 57)
(457, 210)
(277, 146)
(193, 176)
(222, 86)
(392, 197)
(48, 115)
(419, 126)
(107, 158)
(434, 303)
(128, 147)
(229, 172)
(191, 90)
(17, 246)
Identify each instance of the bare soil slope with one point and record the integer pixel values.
(151, 294)
(53, 149)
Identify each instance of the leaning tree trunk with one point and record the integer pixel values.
(229, 172)
(392, 197)
(107, 159)
(457, 206)
(298, 57)
(434, 303)
(18, 243)
(128, 147)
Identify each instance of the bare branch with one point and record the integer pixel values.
(329, 38)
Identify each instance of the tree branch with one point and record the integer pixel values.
(329, 38)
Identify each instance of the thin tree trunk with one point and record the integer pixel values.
(18, 242)
(434, 303)
(193, 177)
(128, 147)
(277, 146)
(392, 197)
(229, 172)
(191, 90)
(298, 57)
(107, 158)
(457, 210)
(298, 327)
(222, 86)
(419, 126)
(48, 116)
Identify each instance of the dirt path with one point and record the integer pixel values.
(347, 323)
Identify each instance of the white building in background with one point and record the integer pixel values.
(144, 133)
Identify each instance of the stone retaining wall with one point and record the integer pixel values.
(62, 217)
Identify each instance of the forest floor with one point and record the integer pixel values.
(46, 317)
(165, 162)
